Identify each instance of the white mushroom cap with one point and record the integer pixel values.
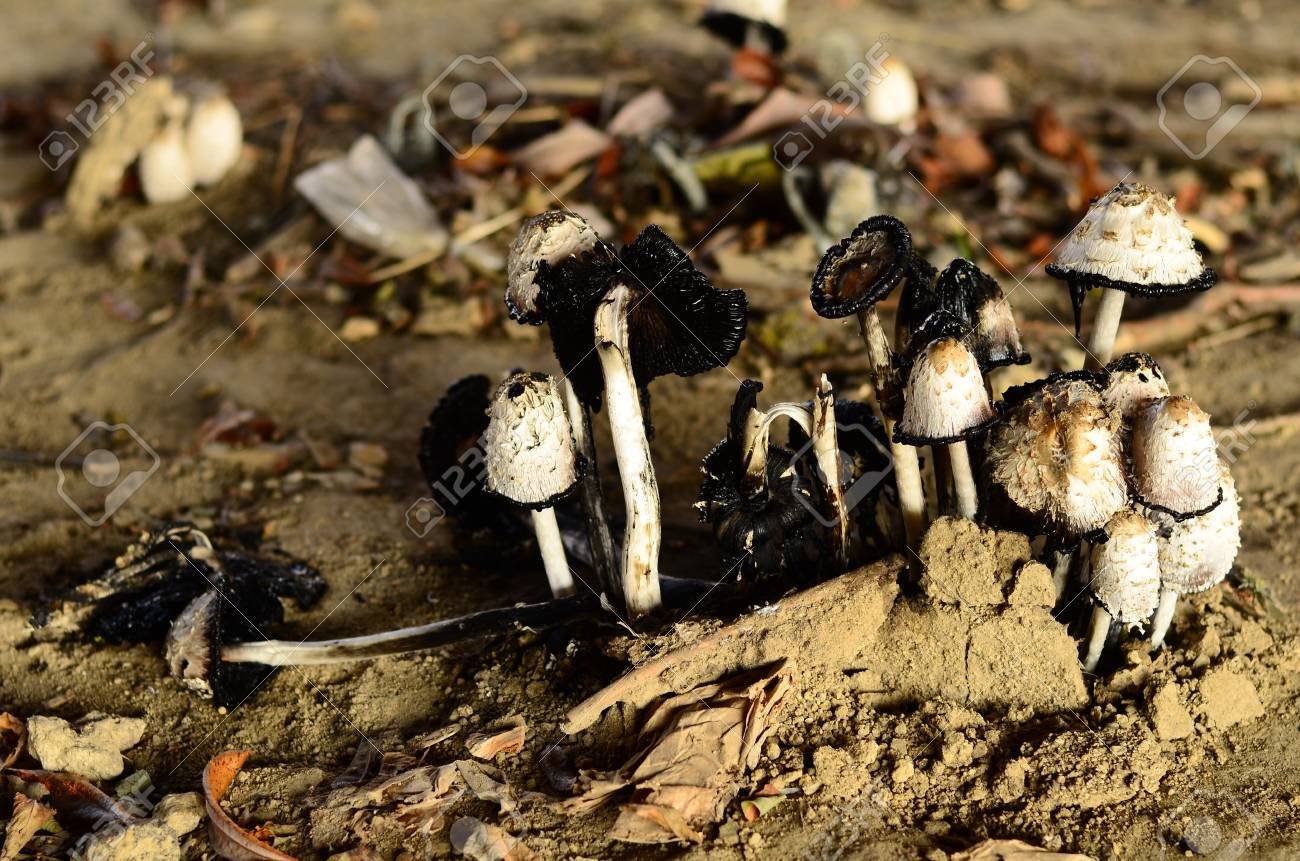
(165, 172)
(1058, 456)
(1126, 568)
(945, 399)
(1198, 553)
(551, 237)
(528, 444)
(894, 99)
(214, 138)
(1133, 381)
(1175, 456)
(1132, 234)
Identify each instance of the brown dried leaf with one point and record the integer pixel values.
(782, 107)
(484, 842)
(563, 149)
(486, 745)
(29, 816)
(228, 839)
(652, 823)
(79, 806)
(642, 114)
(13, 738)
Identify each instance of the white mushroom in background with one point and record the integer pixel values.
(214, 137)
(165, 172)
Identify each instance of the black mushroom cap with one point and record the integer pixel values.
(450, 454)
(732, 27)
(1080, 283)
(863, 268)
(975, 299)
(552, 251)
(678, 323)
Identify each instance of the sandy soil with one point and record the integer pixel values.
(877, 779)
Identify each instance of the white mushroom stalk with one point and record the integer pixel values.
(530, 460)
(1125, 580)
(642, 537)
(599, 537)
(1196, 554)
(1175, 458)
(826, 451)
(944, 403)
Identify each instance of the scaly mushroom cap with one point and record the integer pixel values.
(730, 20)
(1133, 381)
(1131, 239)
(945, 398)
(1175, 458)
(1126, 569)
(1198, 553)
(1056, 455)
(528, 444)
(863, 268)
(558, 239)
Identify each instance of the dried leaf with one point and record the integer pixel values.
(424, 741)
(563, 149)
(753, 808)
(782, 107)
(1014, 850)
(228, 839)
(29, 816)
(484, 842)
(79, 806)
(486, 745)
(13, 738)
(642, 114)
(652, 823)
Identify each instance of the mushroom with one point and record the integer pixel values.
(1131, 240)
(851, 279)
(1175, 458)
(653, 314)
(945, 404)
(1055, 455)
(758, 25)
(214, 137)
(975, 298)
(1132, 381)
(1196, 554)
(165, 172)
(894, 99)
(562, 246)
(530, 458)
(1125, 582)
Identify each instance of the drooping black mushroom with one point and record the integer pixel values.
(531, 462)
(755, 24)
(1124, 581)
(764, 527)
(652, 314)
(851, 279)
(975, 299)
(451, 455)
(1131, 240)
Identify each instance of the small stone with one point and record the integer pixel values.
(368, 458)
(93, 750)
(181, 812)
(1033, 586)
(903, 771)
(359, 329)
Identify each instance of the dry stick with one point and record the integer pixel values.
(1105, 326)
(1097, 633)
(826, 450)
(603, 555)
(963, 479)
(641, 537)
(1164, 615)
(553, 558)
(907, 467)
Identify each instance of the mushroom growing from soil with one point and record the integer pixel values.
(214, 137)
(1132, 240)
(851, 279)
(758, 25)
(945, 404)
(651, 313)
(1125, 581)
(1132, 381)
(1175, 458)
(1197, 553)
(530, 458)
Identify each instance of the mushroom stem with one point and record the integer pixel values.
(963, 479)
(599, 538)
(1098, 631)
(754, 455)
(1061, 572)
(826, 449)
(1104, 328)
(552, 547)
(907, 466)
(1164, 615)
(642, 536)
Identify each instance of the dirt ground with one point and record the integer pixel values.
(923, 780)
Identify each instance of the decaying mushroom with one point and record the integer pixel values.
(1196, 553)
(1125, 580)
(851, 279)
(985, 320)
(945, 404)
(1132, 240)
(1132, 381)
(1175, 458)
(758, 25)
(529, 454)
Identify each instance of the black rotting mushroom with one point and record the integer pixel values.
(852, 277)
(755, 24)
(530, 459)
(1131, 240)
(975, 299)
